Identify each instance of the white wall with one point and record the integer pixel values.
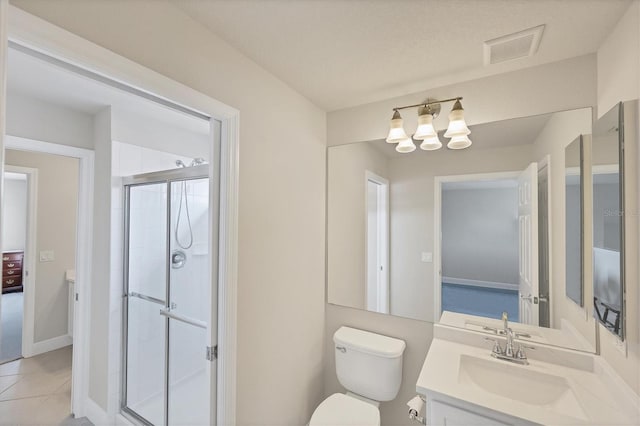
(346, 224)
(618, 80)
(32, 118)
(14, 215)
(56, 231)
(101, 340)
(480, 234)
(619, 62)
(282, 198)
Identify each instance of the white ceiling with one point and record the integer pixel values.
(344, 53)
(35, 78)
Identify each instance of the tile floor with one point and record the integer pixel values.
(37, 390)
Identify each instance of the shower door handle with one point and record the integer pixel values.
(192, 321)
(147, 298)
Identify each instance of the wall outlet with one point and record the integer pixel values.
(427, 257)
(47, 256)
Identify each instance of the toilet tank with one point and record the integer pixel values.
(368, 364)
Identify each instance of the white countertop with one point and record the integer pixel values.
(597, 402)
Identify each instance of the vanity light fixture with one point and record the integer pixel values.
(426, 132)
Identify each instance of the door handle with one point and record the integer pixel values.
(191, 321)
(530, 298)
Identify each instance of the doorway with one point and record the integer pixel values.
(487, 250)
(167, 278)
(100, 301)
(16, 213)
(480, 247)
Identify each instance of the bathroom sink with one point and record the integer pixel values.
(520, 383)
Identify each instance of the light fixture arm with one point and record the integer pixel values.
(427, 103)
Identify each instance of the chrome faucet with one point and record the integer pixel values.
(509, 352)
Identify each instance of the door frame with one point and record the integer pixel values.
(545, 163)
(383, 211)
(33, 33)
(29, 260)
(437, 229)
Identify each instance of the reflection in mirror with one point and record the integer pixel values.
(608, 286)
(573, 223)
(491, 208)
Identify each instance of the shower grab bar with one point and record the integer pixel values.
(147, 298)
(191, 321)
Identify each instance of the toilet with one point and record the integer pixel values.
(369, 366)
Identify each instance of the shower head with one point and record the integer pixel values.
(180, 163)
(197, 161)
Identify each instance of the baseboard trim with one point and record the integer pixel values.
(95, 413)
(51, 344)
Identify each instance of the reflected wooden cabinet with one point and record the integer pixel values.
(12, 271)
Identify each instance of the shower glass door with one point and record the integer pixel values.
(189, 301)
(147, 279)
(167, 378)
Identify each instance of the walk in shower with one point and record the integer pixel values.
(166, 376)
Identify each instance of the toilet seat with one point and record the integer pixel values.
(343, 410)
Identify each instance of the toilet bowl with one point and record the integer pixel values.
(345, 410)
(369, 366)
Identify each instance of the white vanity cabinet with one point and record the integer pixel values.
(451, 412)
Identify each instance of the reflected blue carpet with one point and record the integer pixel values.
(480, 301)
(11, 326)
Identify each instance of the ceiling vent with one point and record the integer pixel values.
(513, 46)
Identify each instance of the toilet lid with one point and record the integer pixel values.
(344, 410)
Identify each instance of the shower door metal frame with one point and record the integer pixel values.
(166, 177)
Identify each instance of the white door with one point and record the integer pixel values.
(528, 244)
(377, 294)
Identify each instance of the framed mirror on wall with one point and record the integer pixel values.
(609, 221)
(443, 233)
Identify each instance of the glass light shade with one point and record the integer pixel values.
(425, 128)
(431, 144)
(459, 142)
(396, 131)
(406, 146)
(457, 125)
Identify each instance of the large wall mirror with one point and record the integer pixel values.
(608, 221)
(418, 234)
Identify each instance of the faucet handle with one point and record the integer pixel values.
(520, 354)
(497, 349)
